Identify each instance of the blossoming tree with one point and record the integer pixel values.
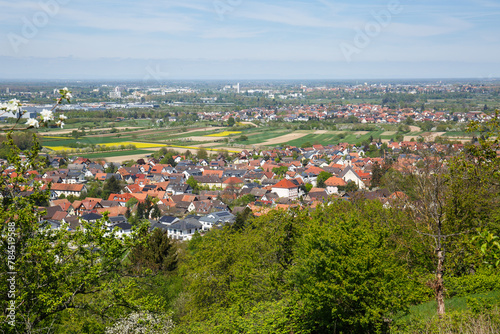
(47, 270)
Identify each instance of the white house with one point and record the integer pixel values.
(348, 174)
(68, 189)
(184, 229)
(333, 183)
(215, 218)
(286, 188)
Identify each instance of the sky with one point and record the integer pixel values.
(247, 39)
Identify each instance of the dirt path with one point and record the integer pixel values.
(282, 139)
(178, 149)
(414, 128)
(388, 133)
(132, 131)
(63, 132)
(204, 138)
(171, 131)
(428, 136)
(250, 123)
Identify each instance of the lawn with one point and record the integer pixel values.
(428, 310)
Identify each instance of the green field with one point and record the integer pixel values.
(347, 133)
(427, 310)
(461, 134)
(335, 137)
(176, 135)
(113, 154)
(84, 140)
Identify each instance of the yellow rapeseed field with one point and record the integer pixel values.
(54, 137)
(224, 134)
(138, 145)
(58, 148)
(117, 145)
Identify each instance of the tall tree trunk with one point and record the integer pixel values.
(439, 285)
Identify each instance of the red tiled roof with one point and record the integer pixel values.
(286, 184)
(233, 180)
(114, 211)
(67, 187)
(335, 182)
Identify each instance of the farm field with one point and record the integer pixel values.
(121, 144)
(260, 135)
(61, 141)
(334, 137)
(122, 154)
(217, 138)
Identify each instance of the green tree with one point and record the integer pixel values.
(193, 184)
(280, 171)
(446, 203)
(202, 153)
(230, 271)
(322, 177)
(155, 212)
(110, 169)
(377, 174)
(231, 121)
(351, 186)
(306, 144)
(347, 276)
(53, 268)
(307, 187)
(242, 218)
(158, 253)
(141, 210)
(131, 202)
(111, 186)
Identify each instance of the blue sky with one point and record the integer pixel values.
(247, 39)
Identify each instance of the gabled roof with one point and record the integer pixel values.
(67, 187)
(168, 220)
(335, 182)
(123, 226)
(91, 216)
(120, 197)
(346, 170)
(63, 203)
(186, 224)
(285, 184)
(114, 211)
(233, 180)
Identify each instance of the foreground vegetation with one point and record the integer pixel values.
(428, 260)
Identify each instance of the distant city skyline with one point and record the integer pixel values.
(246, 39)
